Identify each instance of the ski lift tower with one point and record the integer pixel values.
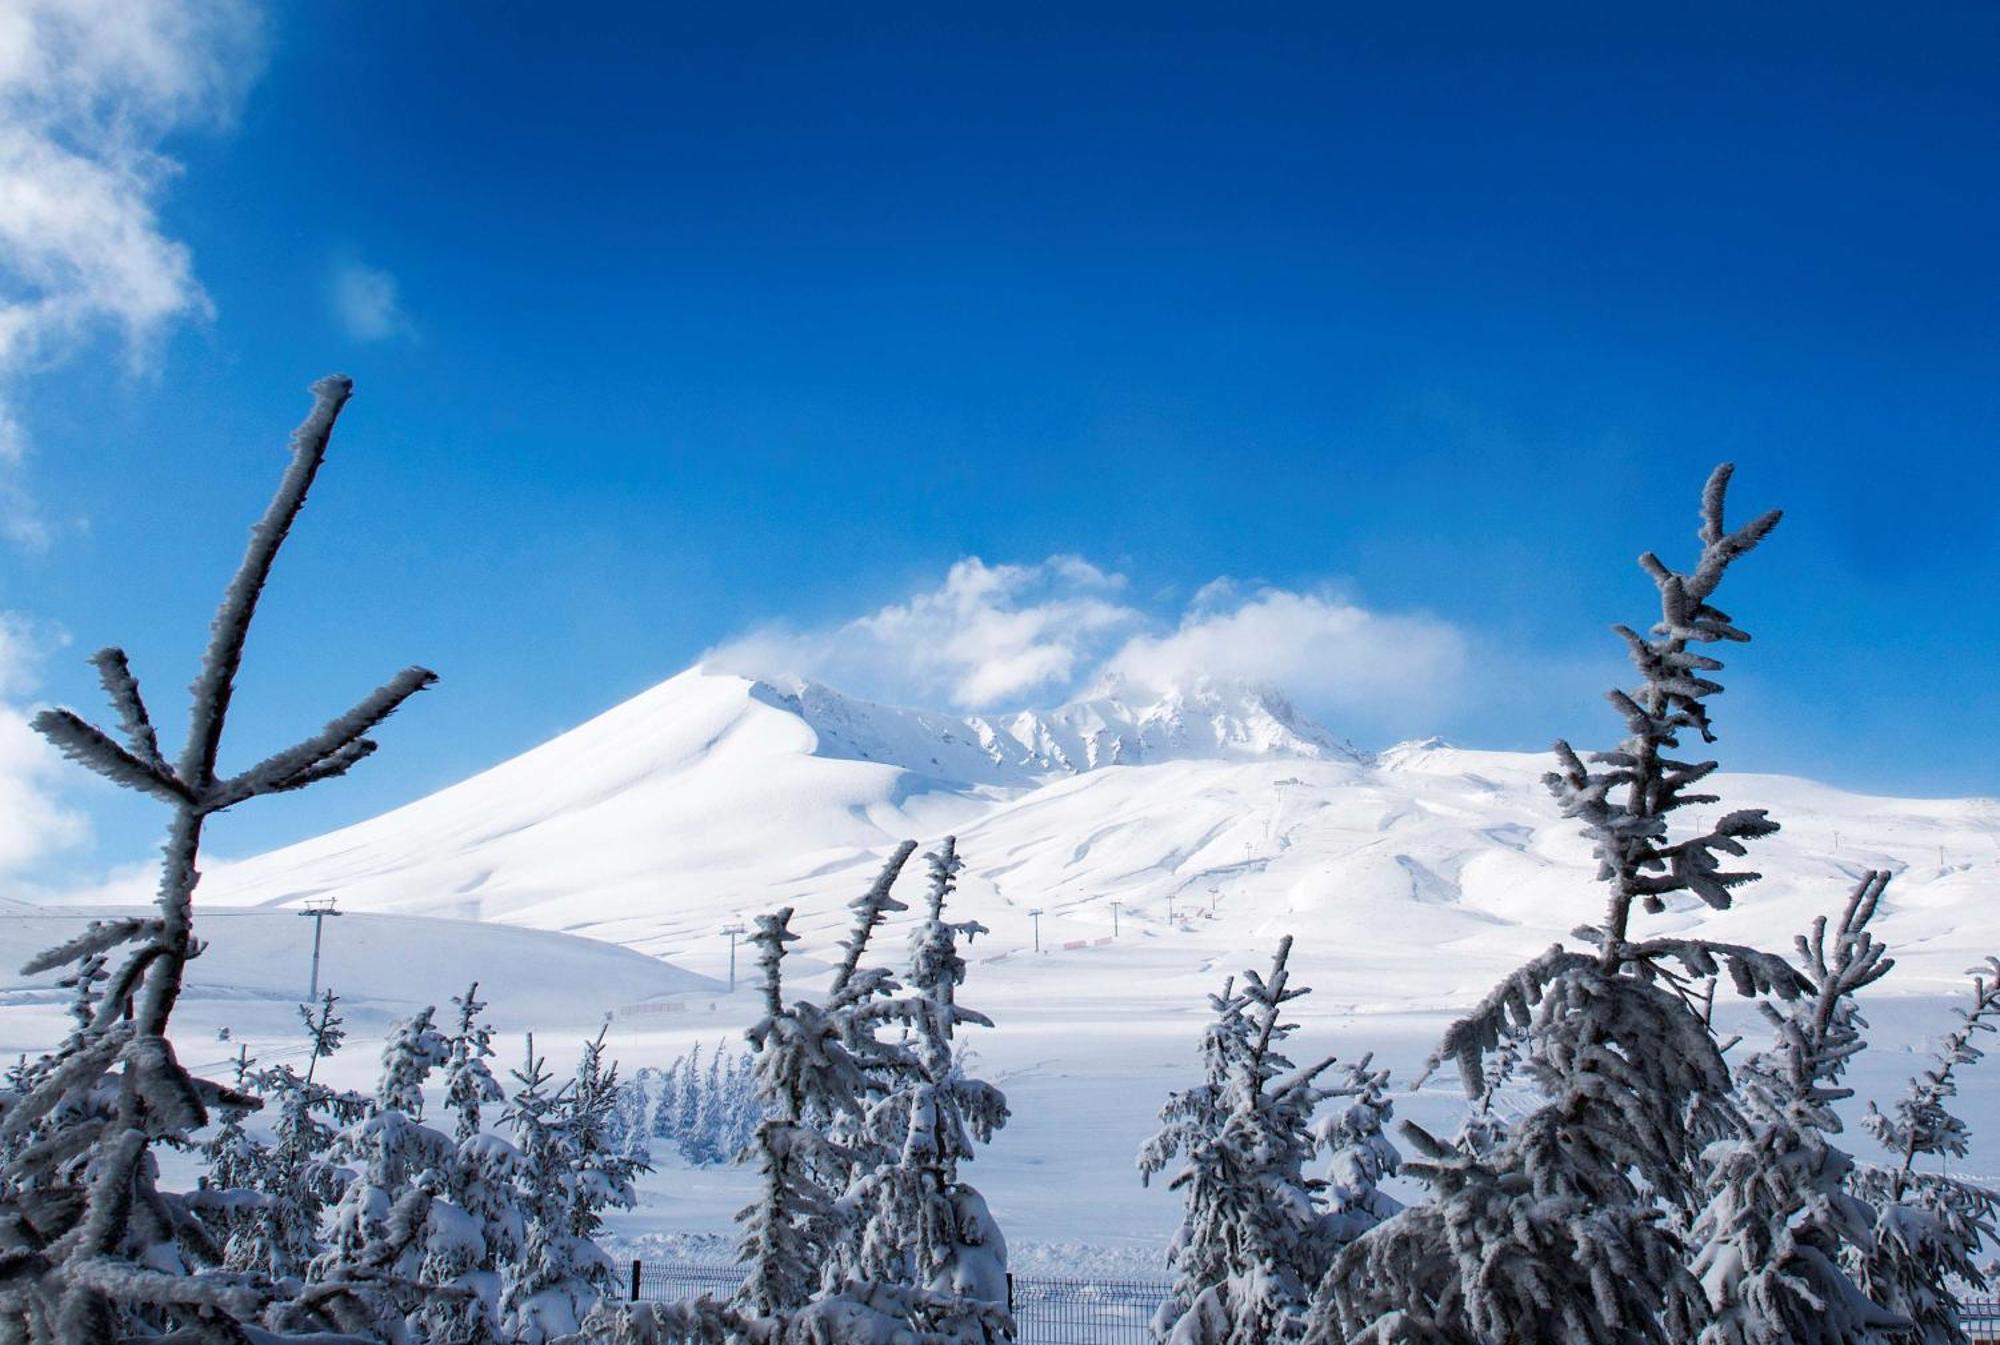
(318, 908)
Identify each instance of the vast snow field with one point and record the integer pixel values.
(1199, 830)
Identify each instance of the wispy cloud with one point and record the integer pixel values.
(986, 634)
(1322, 648)
(89, 89)
(1003, 635)
(34, 821)
(366, 302)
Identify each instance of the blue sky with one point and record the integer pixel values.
(673, 327)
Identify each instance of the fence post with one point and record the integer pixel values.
(1010, 1293)
(635, 1280)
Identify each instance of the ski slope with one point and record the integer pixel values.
(1214, 821)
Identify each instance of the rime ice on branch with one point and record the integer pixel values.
(89, 1240)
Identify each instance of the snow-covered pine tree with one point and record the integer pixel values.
(925, 1226)
(99, 1252)
(468, 1080)
(1252, 1241)
(1355, 1137)
(745, 1108)
(687, 1104)
(806, 1076)
(1779, 1217)
(480, 1181)
(413, 1050)
(571, 1171)
(1566, 1232)
(665, 1109)
(227, 1192)
(297, 1174)
(602, 1173)
(707, 1136)
(1929, 1225)
(391, 1223)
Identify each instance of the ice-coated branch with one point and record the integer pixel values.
(1508, 1008)
(870, 909)
(216, 683)
(330, 751)
(944, 868)
(774, 931)
(100, 936)
(88, 745)
(122, 689)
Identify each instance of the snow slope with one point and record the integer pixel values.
(711, 797)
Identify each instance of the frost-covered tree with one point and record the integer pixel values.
(468, 1080)
(97, 1251)
(687, 1103)
(925, 1226)
(1253, 1240)
(649, 1117)
(390, 1213)
(413, 1050)
(859, 1144)
(1569, 1230)
(602, 1173)
(477, 1230)
(296, 1174)
(1779, 1217)
(1929, 1225)
(570, 1172)
(1360, 1153)
(807, 1077)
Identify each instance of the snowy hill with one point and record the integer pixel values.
(1218, 817)
(1198, 828)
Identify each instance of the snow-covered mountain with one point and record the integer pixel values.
(1208, 719)
(1208, 821)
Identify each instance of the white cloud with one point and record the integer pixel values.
(366, 302)
(1005, 635)
(34, 822)
(89, 89)
(1323, 650)
(988, 634)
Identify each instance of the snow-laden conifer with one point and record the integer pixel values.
(1929, 1225)
(1360, 1154)
(392, 1210)
(468, 1080)
(924, 1225)
(807, 1077)
(97, 1250)
(1567, 1231)
(296, 1173)
(569, 1174)
(1779, 1217)
(1253, 1240)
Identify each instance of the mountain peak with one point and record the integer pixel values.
(1116, 725)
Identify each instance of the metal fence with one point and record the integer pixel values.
(1047, 1310)
(1084, 1311)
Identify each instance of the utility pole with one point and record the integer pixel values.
(319, 909)
(1114, 919)
(1170, 908)
(1036, 916)
(732, 931)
